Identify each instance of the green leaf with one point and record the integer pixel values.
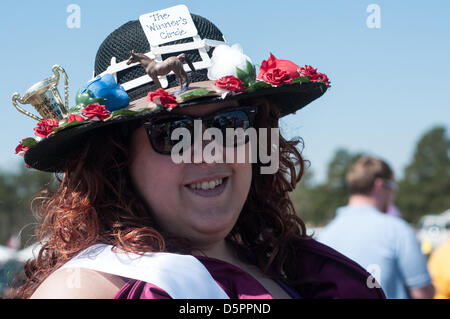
(68, 124)
(76, 109)
(29, 142)
(302, 79)
(195, 94)
(248, 77)
(242, 75)
(257, 86)
(251, 71)
(125, 112)
(86, 98)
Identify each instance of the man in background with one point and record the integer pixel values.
(383, 244)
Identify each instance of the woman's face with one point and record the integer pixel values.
(171, 190)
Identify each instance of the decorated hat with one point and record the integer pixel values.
(166, 60)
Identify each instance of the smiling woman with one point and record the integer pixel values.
(129, 222)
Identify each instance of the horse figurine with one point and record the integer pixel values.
(154, 68)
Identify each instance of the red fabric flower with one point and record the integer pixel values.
(162, 97)
(96, 112)
(278, 71)
(45, 127)
(313, 75)
(230, 83)
(74, 117)
(21, 149)
(277, 77)
(321, 77)
(307, 71)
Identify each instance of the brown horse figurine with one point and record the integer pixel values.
(154, 68)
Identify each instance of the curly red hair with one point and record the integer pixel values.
(96, 202)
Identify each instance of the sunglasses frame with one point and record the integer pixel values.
(150, 122)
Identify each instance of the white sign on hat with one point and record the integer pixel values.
(168, 25)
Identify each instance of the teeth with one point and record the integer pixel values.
(206, 185)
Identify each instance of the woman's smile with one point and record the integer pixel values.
(208, 188)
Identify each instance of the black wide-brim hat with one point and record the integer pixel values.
(49, 153)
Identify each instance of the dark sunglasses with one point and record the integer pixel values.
(159, 129)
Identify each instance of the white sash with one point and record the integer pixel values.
(181, 276)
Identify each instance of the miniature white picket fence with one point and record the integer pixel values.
(156, 52)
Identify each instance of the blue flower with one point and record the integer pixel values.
(105, 86)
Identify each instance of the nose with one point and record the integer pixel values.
(207, 146)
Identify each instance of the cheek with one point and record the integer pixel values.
(240, 159)
(148, 172)
(242, 181)
(154, 175)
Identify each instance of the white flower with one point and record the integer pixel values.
(225, 59)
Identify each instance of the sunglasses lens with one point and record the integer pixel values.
(161, 133)
(237, 122)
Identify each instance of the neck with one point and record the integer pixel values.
(220, 250)
(364, 200)
(143, 57)
(361, 200)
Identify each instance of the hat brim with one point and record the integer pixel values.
(51, 152)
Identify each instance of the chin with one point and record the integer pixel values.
(215, 225)
(205, 237)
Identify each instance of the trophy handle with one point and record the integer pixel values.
(55, 70)
(16, 97)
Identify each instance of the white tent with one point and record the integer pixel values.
(28, 252)
(6, 254)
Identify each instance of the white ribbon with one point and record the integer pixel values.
(181, 276)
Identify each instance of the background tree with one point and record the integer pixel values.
(16, 192)
(425, 187)
(316, 204)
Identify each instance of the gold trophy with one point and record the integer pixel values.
(45, 98)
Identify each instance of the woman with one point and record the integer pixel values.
(223, 227)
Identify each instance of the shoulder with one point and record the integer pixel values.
(401, 233)
(78, 283)
(397, 222)
(325, 273)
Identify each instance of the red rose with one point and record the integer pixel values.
(21, 149)
(277, 77)
(320, 77)
(313, 75)
(45, 127)
(74, 117)
(286, 71)
(307, 71)
(230, 83)
(162, 97)
(96, 112)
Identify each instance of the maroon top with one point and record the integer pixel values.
(325, 273)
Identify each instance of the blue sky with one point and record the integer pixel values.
(389, 85)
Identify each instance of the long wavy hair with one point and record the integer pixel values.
(96, 202)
